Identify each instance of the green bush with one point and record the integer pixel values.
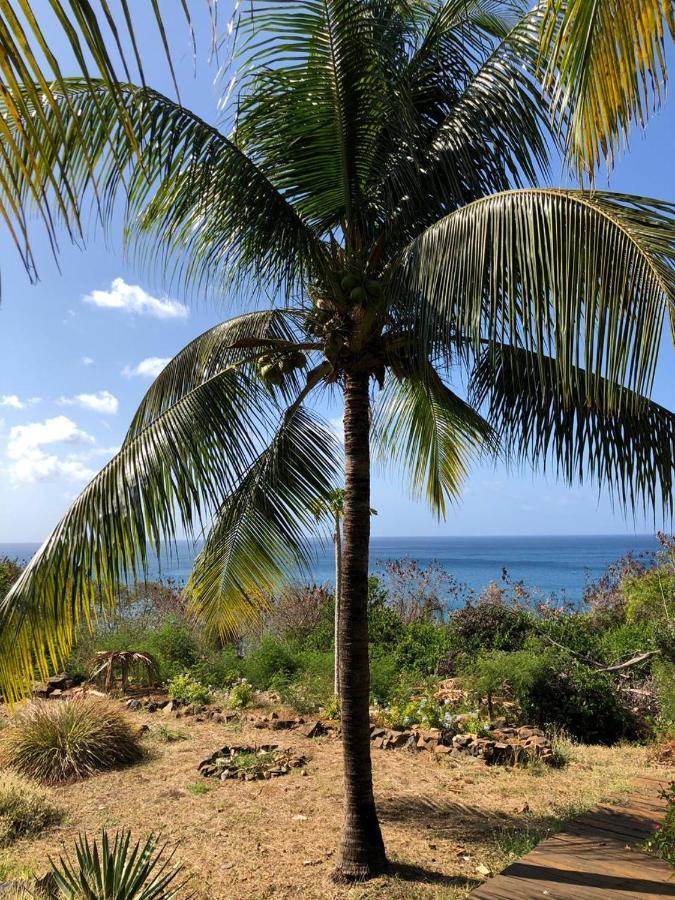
(650, 597)
(118, 870)
(384, 675)
(241, 694)
(662, 842)
(24, 809)
(10, 569)
(176, 647)
(554, 689)
(56, 742)
(664, 683)
(186, 689)
(219, 668)
(491, 623)
(422, 647)
(272, 661)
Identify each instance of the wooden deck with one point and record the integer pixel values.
(594, 859)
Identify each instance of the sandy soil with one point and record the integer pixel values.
(446, 823)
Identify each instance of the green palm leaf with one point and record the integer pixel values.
(184, 184)
(174, 472)
(210, 353)
(584, 426)
(606, 65)
(420, 425)
(260, 535)
(585, 277)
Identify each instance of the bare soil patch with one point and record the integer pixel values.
(448, 822)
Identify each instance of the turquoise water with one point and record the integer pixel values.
(560, 565)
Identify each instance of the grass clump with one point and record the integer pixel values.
(25, 809)
(57, 742)
(166, 735)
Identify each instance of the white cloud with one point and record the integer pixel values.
(29, 462)
(132, 299)
(11, 400)
(102, 402)
(147, 368)
(16, 403)
(87, 361)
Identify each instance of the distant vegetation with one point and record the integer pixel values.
(602, 671)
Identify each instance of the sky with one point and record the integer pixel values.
(79, 349)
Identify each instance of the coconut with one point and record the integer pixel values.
(374, 287)
(358, 295)
(349, 282)
(287, 364)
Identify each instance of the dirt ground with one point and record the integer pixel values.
(447, 823)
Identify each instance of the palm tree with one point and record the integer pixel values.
(381, 183)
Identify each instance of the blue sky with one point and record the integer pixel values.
(79, 349)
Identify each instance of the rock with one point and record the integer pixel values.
(57, 692)
(398, 739)
(168, 707)
(59, 682)
(133, 704)
(442, 750)
(313, 730)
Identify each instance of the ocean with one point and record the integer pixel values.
(558, 566)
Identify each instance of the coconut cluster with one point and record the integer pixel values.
(359, 290)
(273, 367)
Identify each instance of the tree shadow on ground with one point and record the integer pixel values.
(421, 875)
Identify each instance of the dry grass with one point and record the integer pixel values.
(56, 742)
(443, 820)
(24, 808)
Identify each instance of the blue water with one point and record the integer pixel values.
(560, 565)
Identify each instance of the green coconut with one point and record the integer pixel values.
(349, 282)
(358, 295)
(374, 287)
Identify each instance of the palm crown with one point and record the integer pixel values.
(380, 183)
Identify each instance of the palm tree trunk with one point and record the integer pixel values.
(338, 591)
(362, 848)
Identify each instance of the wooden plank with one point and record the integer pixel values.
(594, 859)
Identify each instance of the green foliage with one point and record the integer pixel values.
(166, 735)
(56, 742)
(117, 871)
(490, 623)
(384, 675)
(664, 683)
(10, 569)
(651, 596)
(422, 647)
(554, 689)
(662, 842)
(272, 659)
(241, 694)
(420, 709)
(175, 644)
(24, 809)
(186, 689)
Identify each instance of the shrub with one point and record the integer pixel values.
(301, 611)
(650, 597)
(421, 709)
(422, 647)
(271, 661)
(57, 742)
(120, 870)
(662, 842)
(186, 689)
(10, 569)
(554, 689)
(664, 683)
(24, 809)
(384, 675)
(241, 694)
(220, 668)
(491, 623)
(175, 645)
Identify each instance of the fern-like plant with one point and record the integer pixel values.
(118, 870)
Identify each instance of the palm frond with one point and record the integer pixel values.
(198, 209)
(32, 91)
(420, 425)
(585, 429)
(173, 475)
(606, 64)
(585, 277)
(210, 353)
(260, 535)
(478, 126)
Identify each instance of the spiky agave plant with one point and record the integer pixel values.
(380, 182)
(118, 871)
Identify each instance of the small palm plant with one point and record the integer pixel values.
(118, 871)
(107, 662)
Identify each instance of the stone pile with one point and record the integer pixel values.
(263, 761)
(505, 746)
(56, 687)
(312, 729)
(153, 704)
